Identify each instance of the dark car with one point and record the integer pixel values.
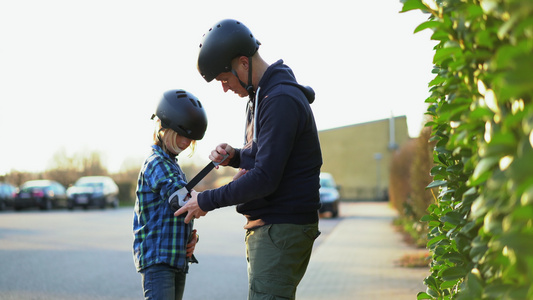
(99, 191)
(8, 192)
(329, 196)
(44, 194)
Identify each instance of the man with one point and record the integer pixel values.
(277, 185)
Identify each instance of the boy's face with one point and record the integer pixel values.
(181, 142)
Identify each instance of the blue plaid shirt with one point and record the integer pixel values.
(160, 237)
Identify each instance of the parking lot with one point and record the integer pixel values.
(86, 254)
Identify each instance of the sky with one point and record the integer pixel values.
(85, 76)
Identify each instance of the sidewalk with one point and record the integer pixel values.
(358, 260)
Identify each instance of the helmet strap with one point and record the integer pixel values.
(240, 81)
(248, 87)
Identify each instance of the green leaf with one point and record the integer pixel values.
(497, 291)
(520, 168)
(427, 218)
(437, 81)
(423, 295)
(437, 170)
(484, 166)
(440, 35)
(413, 4)
(437, 183)
(453, 273)
(454, 257)
(474, 284)
(477, 252)
(452, 217)
(432, 292)
(435, 240)
(448, 284)
(501, 144)
(428, 24)
(446, 53)
(521, 243)
(431, 282)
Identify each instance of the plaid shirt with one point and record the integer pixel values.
(160, 237)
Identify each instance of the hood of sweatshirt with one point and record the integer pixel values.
(283, 75)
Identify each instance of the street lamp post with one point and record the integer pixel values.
(378, 156)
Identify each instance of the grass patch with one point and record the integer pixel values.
(415, 260)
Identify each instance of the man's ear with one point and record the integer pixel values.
(243, 61)
(238, 62)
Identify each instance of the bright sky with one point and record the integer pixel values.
(86, 76)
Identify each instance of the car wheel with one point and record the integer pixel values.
(335, 213)
(2, 205)
(47, 205)
(115, 203)
(102, 203)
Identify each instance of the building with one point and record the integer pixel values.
(358, 156)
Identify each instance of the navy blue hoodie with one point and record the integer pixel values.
(282, 182)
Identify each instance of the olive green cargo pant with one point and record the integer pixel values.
(278, 255)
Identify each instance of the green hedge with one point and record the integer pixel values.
(481, 229)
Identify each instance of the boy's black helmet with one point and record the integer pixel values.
(182, 112)
(223, 42)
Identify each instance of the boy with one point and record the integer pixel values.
(164, 245)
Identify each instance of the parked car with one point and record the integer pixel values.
(8, 192)
(45, 194)
(99, 191)
(329, 196)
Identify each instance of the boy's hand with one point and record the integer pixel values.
(192, 244)
(191, 208)
(239, 174)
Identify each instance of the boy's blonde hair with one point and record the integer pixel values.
(166, 139)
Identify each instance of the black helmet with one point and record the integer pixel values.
(221, 44)
(182, 112)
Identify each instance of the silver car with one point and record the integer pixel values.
(329, 196)
(96, 191)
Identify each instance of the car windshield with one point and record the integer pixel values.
(91, 184)
(31, 185)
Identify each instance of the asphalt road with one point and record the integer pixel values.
(87, 255)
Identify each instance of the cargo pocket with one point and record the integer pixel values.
(312, 232)
(268, 289)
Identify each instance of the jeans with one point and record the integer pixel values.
(163, 282)
(278, 255)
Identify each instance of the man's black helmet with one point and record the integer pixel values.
(182, 112)
(221, 44)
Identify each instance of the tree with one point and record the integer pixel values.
(481, 227)
(67, 169)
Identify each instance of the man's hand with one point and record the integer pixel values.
(218, 154)
(191, 208)
(192, 244)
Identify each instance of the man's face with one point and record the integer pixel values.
(231, 82)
